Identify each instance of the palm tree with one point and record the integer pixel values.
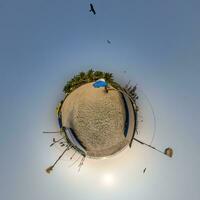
(108, 77)
(66, 88)
(90, 75)
(98, 75)
(87, 77)
(82, 75)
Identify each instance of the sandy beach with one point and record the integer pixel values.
(98, 119)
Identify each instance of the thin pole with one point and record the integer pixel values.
(73, 155)
(60, 156)
(49, 169)
(75, 161)
(81, 164)
(52, 131)
(149, 146)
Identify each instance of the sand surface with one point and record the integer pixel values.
(98, 119)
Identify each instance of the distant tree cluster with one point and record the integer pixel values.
(131, 91)
(87, 77)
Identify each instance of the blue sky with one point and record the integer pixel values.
(43, 43)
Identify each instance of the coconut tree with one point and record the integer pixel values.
(82, 75)
(90, 75)
(108, 77)
(87, 77)
(67, 87)
(98, 75)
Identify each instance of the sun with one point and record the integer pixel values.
(108, 180)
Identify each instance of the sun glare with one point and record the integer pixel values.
(108, 180)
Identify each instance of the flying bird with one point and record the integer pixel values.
(144, 170)
(108, 41)
(92, 9)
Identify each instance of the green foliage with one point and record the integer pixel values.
(87, 77)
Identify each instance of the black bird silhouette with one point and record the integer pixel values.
(92, 9)
(144, 170)
(108, 41)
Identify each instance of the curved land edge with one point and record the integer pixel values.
(130, 125)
